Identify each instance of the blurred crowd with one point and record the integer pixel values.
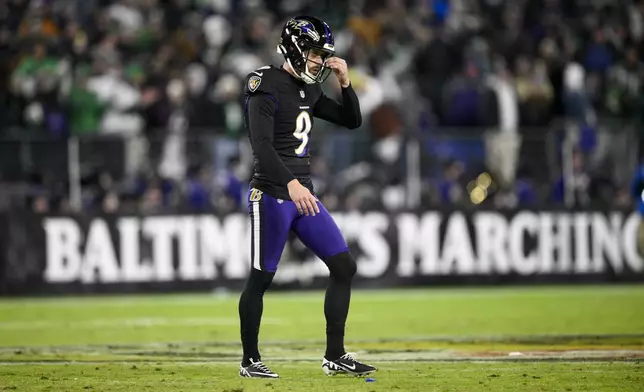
(510, 102)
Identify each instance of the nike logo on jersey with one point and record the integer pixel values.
(258, 73)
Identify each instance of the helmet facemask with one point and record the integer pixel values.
(323, 71)
(301, 65)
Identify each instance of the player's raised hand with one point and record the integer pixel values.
(339, 67)
(306, 203)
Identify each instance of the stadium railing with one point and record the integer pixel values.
(408, 163)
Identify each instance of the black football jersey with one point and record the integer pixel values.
(292, 105)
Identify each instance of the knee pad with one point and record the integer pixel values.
(259, 281)
(342, 267)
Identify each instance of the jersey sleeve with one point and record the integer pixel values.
(346, 113)
(261, 104)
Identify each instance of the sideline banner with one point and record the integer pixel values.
(179, 252)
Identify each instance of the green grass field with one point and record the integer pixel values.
(581, 338)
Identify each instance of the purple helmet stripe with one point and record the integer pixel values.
(327, 33)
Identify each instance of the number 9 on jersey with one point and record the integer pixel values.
(302, 129)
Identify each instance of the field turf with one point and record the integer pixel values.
(562, 338)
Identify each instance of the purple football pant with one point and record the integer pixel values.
(271, 221)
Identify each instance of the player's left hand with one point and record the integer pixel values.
(339, 67)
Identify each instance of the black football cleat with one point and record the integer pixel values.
(346, 364)
(256, 369)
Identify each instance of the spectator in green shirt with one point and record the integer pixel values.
(85, 109)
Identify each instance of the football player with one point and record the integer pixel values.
(281, 104)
